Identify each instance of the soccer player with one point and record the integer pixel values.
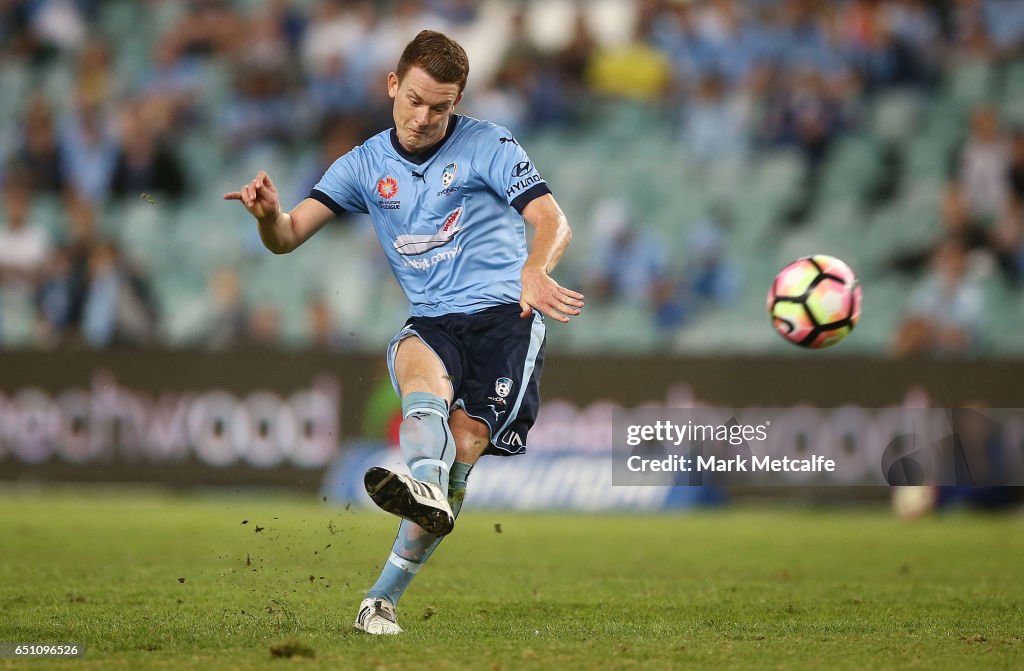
(448, 195)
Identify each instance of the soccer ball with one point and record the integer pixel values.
(815, 301)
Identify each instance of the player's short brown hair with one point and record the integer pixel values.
(438, 55)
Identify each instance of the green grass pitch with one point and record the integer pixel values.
(151, 580)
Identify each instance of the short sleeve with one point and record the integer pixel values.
(511, 171)
(339, 188)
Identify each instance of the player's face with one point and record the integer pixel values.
(422, 108)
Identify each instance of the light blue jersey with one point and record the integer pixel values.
(449, 218)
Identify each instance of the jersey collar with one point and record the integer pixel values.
(427, 154)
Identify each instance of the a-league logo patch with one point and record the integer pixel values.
(387, 188)
(448, 176)
(503, 386)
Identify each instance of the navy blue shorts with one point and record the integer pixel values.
(493, 359)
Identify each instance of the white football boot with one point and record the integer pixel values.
(377, 617)
(421, 503)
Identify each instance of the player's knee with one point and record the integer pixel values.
(470, 446)
(472, 437)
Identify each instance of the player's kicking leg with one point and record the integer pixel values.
(413, 545)
(425, 439)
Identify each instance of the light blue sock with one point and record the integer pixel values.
(425, 439)
(413, 546)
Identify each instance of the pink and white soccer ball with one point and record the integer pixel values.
(815, 301)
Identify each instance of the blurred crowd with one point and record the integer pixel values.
(982, 234)
(731, 77)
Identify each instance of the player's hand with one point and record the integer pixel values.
(543, 293)
(259, 197)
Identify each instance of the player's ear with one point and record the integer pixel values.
(457, 100)
(392, 85)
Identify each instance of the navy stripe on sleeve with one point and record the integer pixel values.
(322, 197)
(533, 193)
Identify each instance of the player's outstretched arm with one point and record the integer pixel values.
(551, 237)
(280, 231)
